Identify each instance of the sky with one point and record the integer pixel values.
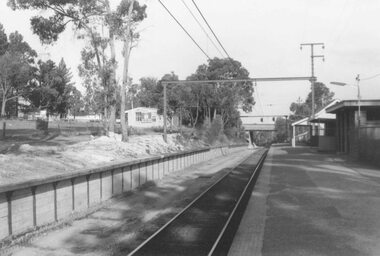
(264, 35)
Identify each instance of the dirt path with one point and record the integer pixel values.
(126, 221)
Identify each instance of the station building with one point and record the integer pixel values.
(324, 128)
(317, 131)
(358, 140)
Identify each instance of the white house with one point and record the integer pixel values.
(85, 118)
(144, 117)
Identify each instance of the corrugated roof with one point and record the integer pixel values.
(352, 103)
(302, 122)
(322, 115)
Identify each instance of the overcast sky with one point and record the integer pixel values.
(264, 35)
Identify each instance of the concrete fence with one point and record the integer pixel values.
(27, 205)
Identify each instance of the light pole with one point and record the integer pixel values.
(359, 99)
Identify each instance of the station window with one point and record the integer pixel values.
(373, 115)
(262, 119)
(273, 119)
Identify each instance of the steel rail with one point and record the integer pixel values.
(238, 204)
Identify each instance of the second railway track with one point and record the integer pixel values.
(208, 224)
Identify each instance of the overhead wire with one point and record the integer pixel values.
(200, 48)
(208, 25)
(203, 29)
(369, 78)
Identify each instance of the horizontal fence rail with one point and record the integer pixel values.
(25, 206)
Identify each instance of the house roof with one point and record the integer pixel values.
(141, 109)
(346, 104)
(322, 116)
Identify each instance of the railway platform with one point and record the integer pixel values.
(309, 203)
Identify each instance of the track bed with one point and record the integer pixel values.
(208, 224)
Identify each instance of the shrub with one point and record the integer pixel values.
(42, 125)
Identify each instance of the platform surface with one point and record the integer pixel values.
(309, 203)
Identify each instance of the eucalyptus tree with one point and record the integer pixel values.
(123, 24)
(226, 97)
(90, 16)
(84, 16)
(16, 69)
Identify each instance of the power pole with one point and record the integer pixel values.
(313, 79)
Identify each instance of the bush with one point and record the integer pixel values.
(42, 125)
(213, 133)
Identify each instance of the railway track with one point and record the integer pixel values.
(208, 224)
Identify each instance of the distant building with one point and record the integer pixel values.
(360, 142)
(260, 125)
(144, 117)
(29, 115)
(83, 116)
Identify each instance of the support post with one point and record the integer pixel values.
(294, 137)
(359, 115)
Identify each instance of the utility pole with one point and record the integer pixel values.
(313, 79)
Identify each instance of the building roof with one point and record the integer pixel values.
(322, 116)
(346, 104)
(141, 109)
(302, 122)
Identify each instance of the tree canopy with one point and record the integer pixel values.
(323, 96)
(198, 103)
(3, 40)
(53, 88)
(77, 12)
(223, 98)
(16, 68)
